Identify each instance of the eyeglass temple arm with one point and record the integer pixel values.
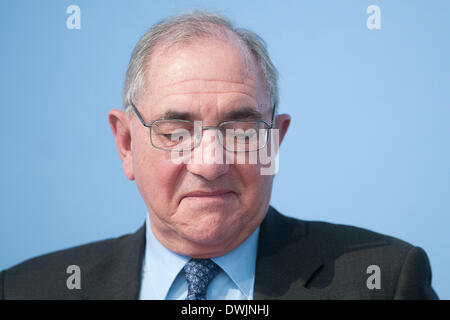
(139, 115)
(272, 125)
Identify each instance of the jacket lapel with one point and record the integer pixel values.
(286, 261)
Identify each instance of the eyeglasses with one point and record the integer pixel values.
(185, 135)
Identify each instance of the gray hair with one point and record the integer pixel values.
(187, 27)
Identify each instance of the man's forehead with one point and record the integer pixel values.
(214, 61)
(219, 86)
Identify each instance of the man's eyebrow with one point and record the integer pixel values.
(172, 114)
(236, 114)
(244, 113)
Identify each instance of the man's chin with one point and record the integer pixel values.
(207, 215)
(209, 239)
(208, 228)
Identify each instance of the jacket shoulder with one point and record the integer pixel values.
(347, 235)
(355, 246)
(404, 269)
(344, 257)
(45, 276)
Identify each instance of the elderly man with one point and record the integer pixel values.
(200, 116)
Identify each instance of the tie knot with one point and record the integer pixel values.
(199, 273)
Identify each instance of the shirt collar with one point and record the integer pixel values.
(162, 265)
(239, 264)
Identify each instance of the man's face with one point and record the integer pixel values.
(203, 208)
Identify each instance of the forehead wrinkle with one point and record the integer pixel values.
(206, 93)
(210, 85)
(246, 81)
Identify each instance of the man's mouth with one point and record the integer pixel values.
(208, 195)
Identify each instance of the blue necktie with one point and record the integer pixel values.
(199, 273)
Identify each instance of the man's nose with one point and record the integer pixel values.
(208, 157)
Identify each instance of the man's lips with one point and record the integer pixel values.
(208, 194)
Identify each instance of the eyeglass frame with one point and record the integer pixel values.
(149, 125)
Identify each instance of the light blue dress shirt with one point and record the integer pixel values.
(162, 279)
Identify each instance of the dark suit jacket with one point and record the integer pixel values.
(296, 260)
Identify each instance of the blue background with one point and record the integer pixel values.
(368, 143)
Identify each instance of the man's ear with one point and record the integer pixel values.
(120, 126)
(282, 122)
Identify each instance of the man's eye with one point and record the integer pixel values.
(175, 136)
